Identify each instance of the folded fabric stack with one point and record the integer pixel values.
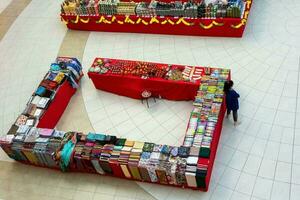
(124, 157)
(126, 8)
(104, 158)
(64, 69)
(156, 163)
(134, 158)
(114, 159)
(95, 156)
(33, 145)
(202, 9)
(202, 124)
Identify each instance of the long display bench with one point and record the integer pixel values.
(188, 166)
(133, 86)
(154, 24)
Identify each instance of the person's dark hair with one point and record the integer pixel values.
(227, 86)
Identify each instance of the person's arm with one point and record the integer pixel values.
(236, 94)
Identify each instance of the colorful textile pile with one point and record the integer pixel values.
(146, 70)
(201, 9)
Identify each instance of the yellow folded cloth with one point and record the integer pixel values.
(59, 77)
(138, 145)
(129, 143)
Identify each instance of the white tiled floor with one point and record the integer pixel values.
(260, 159)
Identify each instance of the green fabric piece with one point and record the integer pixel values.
(200, 180)
(148, 147)
(121, 142)
(204, 152)
(66, 155)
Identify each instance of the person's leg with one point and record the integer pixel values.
(228, 113)
(235, 117)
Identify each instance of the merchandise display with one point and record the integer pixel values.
(192, 9)
(187, 166)
(135, 78)
(204, 17)
(146, 70)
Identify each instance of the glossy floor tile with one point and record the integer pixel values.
(259, 159)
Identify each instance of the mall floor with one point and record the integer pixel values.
(260, 159)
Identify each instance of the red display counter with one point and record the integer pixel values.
(220, 27)
(57, 106)
(132, 86)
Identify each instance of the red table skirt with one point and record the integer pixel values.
(225, 27)
(134, 86)
(57, 106)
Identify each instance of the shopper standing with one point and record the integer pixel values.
(232, 102)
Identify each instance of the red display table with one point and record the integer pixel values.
(57, 106)
(133, 86)
(220, 27)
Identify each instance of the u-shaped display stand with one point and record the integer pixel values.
(184, 166)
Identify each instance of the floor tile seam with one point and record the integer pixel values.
(264, 150)
(270, 134)
(249, 154)
(295, 125)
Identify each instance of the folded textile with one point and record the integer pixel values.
(21, 120)
(148, 147)
(45, 132)
(32, 135)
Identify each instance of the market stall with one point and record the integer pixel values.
(188, 166)
(198, 18)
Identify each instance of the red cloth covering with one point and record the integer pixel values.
(222, 29)
(133, 86)
(57, 106)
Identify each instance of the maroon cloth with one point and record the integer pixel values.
(226, 30)
(133, 87)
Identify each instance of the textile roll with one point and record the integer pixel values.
(191, 179)
(152, 174)
(116, 168)
(125, 171)
(105, 166)
(135, 171)
(161, 174)
(97, 166)
(144, 174)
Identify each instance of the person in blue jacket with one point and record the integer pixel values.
(232, 102)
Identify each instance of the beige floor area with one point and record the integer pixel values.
(10, 13)
(18, 181)
(75, 116)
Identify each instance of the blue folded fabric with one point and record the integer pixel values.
(51, 76)
(55, 67)
(41, 91)
(91, 137)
